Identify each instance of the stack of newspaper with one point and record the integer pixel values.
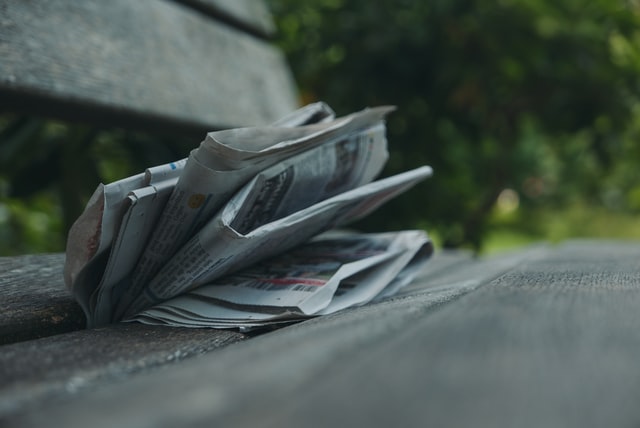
(242, 234)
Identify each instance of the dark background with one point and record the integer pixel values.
(528, 111)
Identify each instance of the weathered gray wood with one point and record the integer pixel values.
(260, 380)
(441, 263)
(551, 343)
(148, 64)
(249, 15)
(54, 367)
(39, 305)
(549, 339)
(35, 302)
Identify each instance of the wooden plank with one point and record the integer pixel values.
(35, 302)
(53, 367)
(257, 381)
(39, 305)
(551, 343)
(149, 64)
(442, 263)
(248, 15)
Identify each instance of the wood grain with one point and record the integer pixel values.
(548, 338)
(266, 377)
(49, 369)
(35, 302)
(248, 15)
(152, 65)
(542, 337)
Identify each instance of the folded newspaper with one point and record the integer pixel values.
(243, 233)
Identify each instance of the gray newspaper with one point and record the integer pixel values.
(242, 196)
(329, 273)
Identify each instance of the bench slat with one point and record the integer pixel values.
(151, 65)
(35, 302)
(549, 339)
(39, 305)
(251, 379)
(250, 15)
(50, 368)
(552, 342)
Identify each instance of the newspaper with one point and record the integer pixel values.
(242, 196)
(323, 276)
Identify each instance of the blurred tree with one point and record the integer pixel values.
(49, 169)
(537, 96)
(493, 95)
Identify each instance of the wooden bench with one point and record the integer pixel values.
(179, 68)
(545, 336)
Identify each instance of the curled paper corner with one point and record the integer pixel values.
(83, 239)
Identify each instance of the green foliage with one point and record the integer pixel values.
(49, 169)
(533, 95)
(538, 97)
